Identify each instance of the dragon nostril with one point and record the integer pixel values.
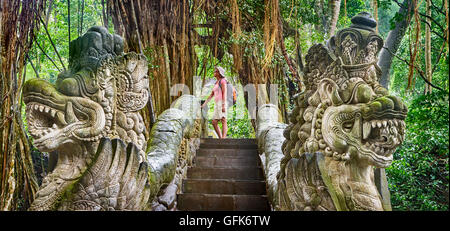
(69, 87)
(386, 103)
(364, 94)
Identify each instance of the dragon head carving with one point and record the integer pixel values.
(98, 96)
(346, 118)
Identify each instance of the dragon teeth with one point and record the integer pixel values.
(41, 108)
(54, 126)
(52, 113)
(69, 116)
(393, 128)
(366, 129)
(377, 149)
(393, 131)
(395, 140)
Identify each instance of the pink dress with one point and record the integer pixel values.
(217, 92)
(218, 114)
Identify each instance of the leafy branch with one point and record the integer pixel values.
(421, 74)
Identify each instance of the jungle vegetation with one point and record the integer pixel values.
(256, 41)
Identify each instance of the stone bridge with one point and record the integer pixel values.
(343, 126)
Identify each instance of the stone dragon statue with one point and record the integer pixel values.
(343, 126)
(91, 119)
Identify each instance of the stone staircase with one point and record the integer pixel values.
(226, 175)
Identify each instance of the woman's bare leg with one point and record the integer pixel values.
(224, 128)
(216, 127)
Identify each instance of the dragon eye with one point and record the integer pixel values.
(347, 126)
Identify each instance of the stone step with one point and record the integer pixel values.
(208, 161)
(224, 186)
(227, 141)
(226, 152)
(226, 176)
(228, 146)
(241, 173)
(220, 202)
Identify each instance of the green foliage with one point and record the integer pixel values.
(386, 11)
(239, 128)
(357, 6)
(58, 28)
(419, 175)
(399, 69)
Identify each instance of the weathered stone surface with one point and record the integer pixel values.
(224, 186)
(236, 146)
(222, 202)
(202, 161)
(343, 125)
(96, 100)
(270, 138)
(229, 172)
(173, 143)
(159, 207)
(116, 181)
(169, 197)
(224, 179)
(192, 108)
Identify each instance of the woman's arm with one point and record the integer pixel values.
(209, 98)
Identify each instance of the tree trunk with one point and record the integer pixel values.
(49, 12)
(335, 8)
(428, 68)
(17, 178)
(68, 19)
(283, 50)
(161, 30)
(345, 8)
(81, 17)
(393, 41)
(446, 21)
(319, 9)
(104, 15)
(375, 12)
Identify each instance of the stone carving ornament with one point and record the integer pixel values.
(343, 126)
(91, 118)
(88, 118)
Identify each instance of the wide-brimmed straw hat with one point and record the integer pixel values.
(221, 71)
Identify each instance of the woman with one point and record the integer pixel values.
(220, 108)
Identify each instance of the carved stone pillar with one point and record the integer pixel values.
(343, 126)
